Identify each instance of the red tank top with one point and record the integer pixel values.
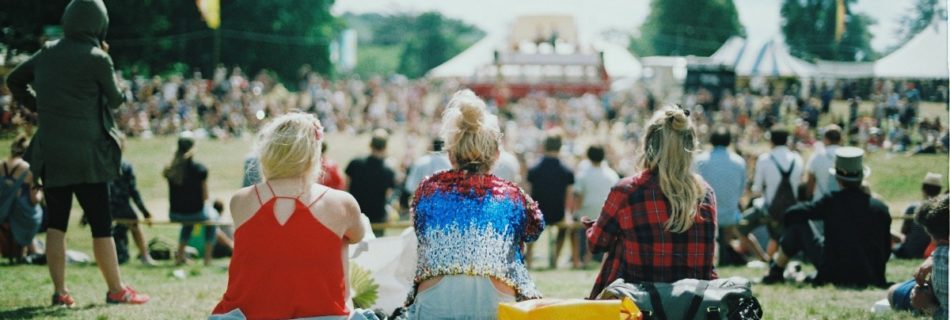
(285, 271)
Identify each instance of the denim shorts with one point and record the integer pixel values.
(901, 298)
(459, 297)
(206, 214)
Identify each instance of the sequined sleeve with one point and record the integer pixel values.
(534, 221)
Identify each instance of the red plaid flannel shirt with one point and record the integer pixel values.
(639, 249)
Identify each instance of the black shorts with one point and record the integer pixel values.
(94, 200)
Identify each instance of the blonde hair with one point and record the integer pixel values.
(668, 151)
(290, 146)
(470, 133)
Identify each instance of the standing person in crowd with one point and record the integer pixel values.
(658, 225)
(187, 193)
(821, 183)
(371, 181)
(551, 183)
(122, 190)
(433, 162)
(508, 167)
(777, 176)
(330, 171)
(916, 240)
(921, 293)
(21, 213)
(725, 171)
(471, 225)
(291, 235)
(590, 191)
(852, 246)
(76, 149)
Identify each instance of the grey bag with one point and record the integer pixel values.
(729, 298)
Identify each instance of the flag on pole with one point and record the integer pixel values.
(210, 11)
(839, 19)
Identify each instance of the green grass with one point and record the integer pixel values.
(25, 290)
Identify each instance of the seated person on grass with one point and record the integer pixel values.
(292, 235)
(914, 239)
(920, 294)
(846, 234)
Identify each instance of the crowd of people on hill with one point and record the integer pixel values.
(648, 196)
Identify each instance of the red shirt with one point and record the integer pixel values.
(331, 176)
(631, 231)
(285, 271)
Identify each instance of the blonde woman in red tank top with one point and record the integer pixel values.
(291, 235)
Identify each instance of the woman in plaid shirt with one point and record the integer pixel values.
(658, 225)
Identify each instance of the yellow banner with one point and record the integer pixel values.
(839, 20)
(211, 12)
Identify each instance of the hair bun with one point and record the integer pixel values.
(472, 111)
(677, 119)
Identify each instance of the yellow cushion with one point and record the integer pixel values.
(578, 309)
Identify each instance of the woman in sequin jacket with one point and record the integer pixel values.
(471, 225)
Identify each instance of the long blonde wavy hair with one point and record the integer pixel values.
(471, 134)
(668, 151)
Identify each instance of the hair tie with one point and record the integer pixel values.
(318, 131)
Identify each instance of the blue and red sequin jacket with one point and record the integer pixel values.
(474, 224)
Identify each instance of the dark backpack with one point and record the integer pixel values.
(785, 195)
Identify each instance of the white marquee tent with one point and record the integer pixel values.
(923, 57)
(761, 58)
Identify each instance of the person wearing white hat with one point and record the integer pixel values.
(855, 244)
(915, 238)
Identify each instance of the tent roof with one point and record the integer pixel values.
(479, 58)
(761, 58)
(844, 69)
(923, 57)
(466, 64)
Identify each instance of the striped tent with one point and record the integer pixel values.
(767, 59)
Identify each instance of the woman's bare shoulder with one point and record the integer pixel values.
(342, 202)
(244, 203)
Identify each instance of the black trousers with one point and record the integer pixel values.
(94, 200)
(807, 238)
(728, 256)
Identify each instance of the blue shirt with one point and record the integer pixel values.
(725, 172)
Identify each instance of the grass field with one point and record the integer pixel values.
(25, 290)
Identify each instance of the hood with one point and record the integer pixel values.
(85, 20)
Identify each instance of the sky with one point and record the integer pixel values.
(760, 17)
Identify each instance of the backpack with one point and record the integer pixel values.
(785, 195)
(690, 299)
(21, 219)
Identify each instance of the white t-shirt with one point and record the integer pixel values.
(818, 165)
(767, 175)
(594, 183)
(507, 167)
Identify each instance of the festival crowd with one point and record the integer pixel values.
(626, 179)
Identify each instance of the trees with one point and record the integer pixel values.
(809, 28)
(918, 17)
(281, 35)
(687, 27)
(419, 42)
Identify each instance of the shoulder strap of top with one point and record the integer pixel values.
(258, 193)
(319, 197)
(270, 188)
